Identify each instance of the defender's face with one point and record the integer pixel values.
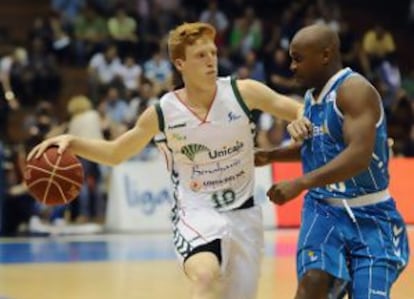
(200, 61)
(305, 64)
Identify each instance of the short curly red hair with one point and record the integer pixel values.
(186, 34)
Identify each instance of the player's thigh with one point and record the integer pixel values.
(372, 282)
(320, 244)
(242, 253)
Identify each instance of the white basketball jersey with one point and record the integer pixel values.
(211, 161)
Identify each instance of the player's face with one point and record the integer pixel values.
(305, 64)
(200, 61)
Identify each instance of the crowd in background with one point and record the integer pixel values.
(123, 47)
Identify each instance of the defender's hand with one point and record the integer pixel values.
(261, 158)
(284, 191)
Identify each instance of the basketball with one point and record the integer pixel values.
(54, 179)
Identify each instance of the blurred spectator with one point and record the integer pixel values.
(389, 73)
(280, 77)
(146, 97)
(218, 19)
(40, 123)
(103, 70)
(226, 66)
(114, 111)
(377, 45)
(13, 70)
(130, 73)
(45, 73)
(18, 205)
(255, 66)
(123, 31)
(246, 34)
(159, 70)
(69, 9)
(149, 31)
(329, 14)
(288, 27)
(351, 50)
(61, 41)
(85, 122)
(41, 30)
(91, 34)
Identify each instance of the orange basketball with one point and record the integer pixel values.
(54, 179)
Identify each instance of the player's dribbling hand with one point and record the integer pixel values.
(284, 191)
(62, 142)
(300, 129)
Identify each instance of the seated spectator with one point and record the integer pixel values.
(61, 41)
(130, 73)
(280, 77)
(377, 45)
(255, 66)
(114, 111)
(69, 9)
(246, 35)
(45, 72)
(146, 97)
(218, 19)
(91, 34)
(351, 50)
(389, 73)
(104, 69)
(159, 70)
(123, 31)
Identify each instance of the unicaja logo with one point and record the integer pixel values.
(226, 150)
(191, 150)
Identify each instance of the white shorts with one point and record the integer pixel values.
(241, 235)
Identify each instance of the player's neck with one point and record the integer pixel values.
(196, 96)
(326, 77)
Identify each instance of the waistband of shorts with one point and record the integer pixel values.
(249, 203)
(360, 201)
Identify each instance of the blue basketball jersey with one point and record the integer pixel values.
(327, 142)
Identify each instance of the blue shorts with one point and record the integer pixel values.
(370, 253)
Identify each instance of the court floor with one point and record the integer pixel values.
(131, 266)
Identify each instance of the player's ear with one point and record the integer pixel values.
(179, 64)
(326, 55)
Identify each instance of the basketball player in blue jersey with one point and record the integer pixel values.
(351, 229)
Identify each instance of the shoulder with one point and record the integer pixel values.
(357, 86)
(356, 92)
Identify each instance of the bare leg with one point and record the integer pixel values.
(315, 284)
(203, 270)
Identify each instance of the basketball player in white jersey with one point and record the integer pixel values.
(208, 144)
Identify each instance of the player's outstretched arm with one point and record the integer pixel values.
(258, 96)
(103, 151)
(286, 153)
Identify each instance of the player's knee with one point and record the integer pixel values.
(314, 284)
(203, 269)
(205, 279)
